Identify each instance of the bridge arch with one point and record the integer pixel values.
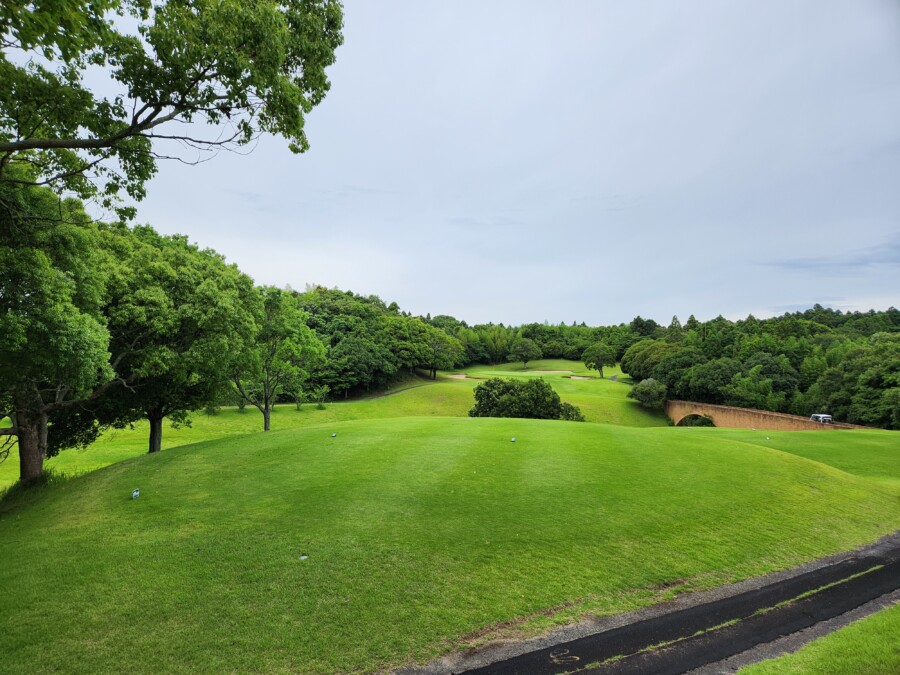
(730, 417)
(695, 420)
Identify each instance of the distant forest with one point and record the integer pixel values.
(819, 360)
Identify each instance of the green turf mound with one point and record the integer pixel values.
(419, 532)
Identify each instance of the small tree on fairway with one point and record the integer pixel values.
(283, 349)
(649, 393)
(524, 350)
(598, 355)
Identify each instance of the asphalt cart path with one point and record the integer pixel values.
(701, 632)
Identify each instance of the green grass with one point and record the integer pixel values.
(867, 646)
(873, 455)
(600, 401)
(422, 534)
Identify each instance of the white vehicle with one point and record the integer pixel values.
(822, 419)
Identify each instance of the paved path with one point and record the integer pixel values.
(707, 630)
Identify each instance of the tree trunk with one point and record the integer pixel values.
(267, 418)
(155, 418)
(32, 437)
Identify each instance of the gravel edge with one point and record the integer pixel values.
(456, 662)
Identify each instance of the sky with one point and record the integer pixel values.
(579, 161)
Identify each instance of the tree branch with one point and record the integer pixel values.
(97, 393)
(134, 129)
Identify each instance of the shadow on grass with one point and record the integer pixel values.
(19, 494)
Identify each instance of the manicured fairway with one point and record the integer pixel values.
(600, 401)
(421, 534)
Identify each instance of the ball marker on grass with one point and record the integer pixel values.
(135, 493)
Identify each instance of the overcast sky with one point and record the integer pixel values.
(590, 161)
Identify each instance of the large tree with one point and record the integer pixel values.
(204, 315)
(187, 76)
(63, 279)
(53, 339)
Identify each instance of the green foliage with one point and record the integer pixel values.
(570, 413)
(282, 351)
(371, 344)
(202, 318)
(53, 275)
(524, 350)
(642, 358)
(241, 67)
(598, 355)
(649, 393)
(531, 398)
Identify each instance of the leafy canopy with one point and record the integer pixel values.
(533, 398)
(597, 356)
(523, 349)
(175, 67)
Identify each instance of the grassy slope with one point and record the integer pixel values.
(419, 533)
(600, 400)
(868, 646)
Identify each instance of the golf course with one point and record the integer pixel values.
(384, 531)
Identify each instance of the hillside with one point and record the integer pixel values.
(600, 401)
(420, 535)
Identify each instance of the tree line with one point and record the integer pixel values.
(102, 324)
(818, 360)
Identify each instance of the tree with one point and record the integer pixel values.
(441, 351)
(649, 393)
(532, 398)
(53, 338)
(675, 369)
(85, 311)
(597, 356)
(644, 327)
(240, 67)
(204, 316)
(282, 349)
(524, 350)
(709, 381)
(641, 359)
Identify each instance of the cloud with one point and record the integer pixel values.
(848, 262)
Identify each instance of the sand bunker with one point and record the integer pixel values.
(579, 377)
(549, 371)
(460, 376)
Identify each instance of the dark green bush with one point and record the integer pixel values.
(532, 398)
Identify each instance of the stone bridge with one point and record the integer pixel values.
(746, 418)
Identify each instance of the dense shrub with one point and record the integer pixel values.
(532, 398)
(649, 393)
